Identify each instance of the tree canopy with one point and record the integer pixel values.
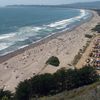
(53, 61)
(63, 79)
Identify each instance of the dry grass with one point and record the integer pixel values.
(79, 55)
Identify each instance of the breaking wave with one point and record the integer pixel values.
(31, 34)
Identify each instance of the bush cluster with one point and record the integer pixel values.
(49, 84)
(6, 95)
(88, 36)
(53, 61)
(97, 28)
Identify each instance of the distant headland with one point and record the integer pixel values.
(86, 5)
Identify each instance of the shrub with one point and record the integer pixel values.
(53, 61)
(5, 98)
(5, 94)
(88, 75)
(60, 78)
(97, 28)
(72, 79)
(88, 36)
(76, 58)
(23, 90)
(43, 84)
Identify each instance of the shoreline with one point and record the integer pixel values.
(31, 60)
(11, 54)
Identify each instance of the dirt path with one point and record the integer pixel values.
(85, 55)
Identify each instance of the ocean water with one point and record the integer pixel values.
(22, 26)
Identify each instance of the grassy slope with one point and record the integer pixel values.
(91, 92)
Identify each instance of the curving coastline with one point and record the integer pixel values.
(84, 17)
(38, 33)
(28, 61)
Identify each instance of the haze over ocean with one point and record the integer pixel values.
(41, 2)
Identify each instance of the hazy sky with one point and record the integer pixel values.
(10, 2)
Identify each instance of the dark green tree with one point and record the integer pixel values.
(72, 79)
(43, 84)
(23, 90)
(60, 78)
(6, 94)
(53, 61)
(88, 75)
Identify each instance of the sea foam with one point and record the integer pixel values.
(36, 33)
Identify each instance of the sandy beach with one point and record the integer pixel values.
(29, 61)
